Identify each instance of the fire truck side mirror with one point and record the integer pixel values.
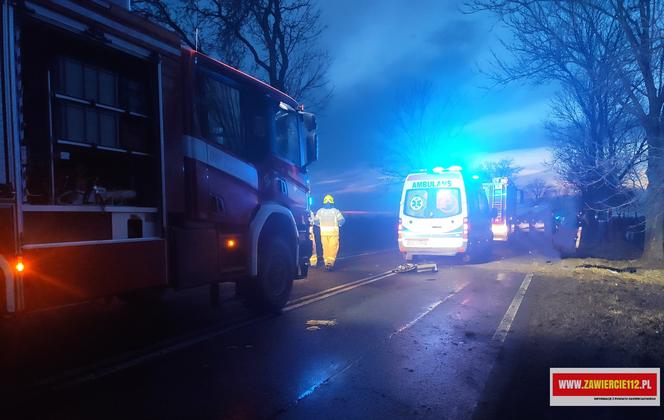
(311, 143)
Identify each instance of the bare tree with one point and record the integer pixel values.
(282, 37)
(538, 190)
(585, 48)
(498, 169)
(197, 30)
(599, 158)
(642, 76)
(278, 38)
(416, 133)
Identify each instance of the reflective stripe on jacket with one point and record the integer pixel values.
(329, 221)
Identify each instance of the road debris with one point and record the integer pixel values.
(404, 268)
(606, 267)
(420, 268)
(316, 324)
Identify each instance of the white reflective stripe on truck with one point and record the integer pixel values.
(204, 152)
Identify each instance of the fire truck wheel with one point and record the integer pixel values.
(272, 286)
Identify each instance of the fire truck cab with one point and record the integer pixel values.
(128, 163)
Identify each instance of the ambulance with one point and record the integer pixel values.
(443, 212)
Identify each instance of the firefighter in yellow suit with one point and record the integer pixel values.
(330, 220)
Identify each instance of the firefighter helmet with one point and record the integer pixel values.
(328, 199)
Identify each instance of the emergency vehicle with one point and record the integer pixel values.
(130, 163)
(502, 195)
(442, 212)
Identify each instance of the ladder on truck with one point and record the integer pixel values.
(498, 200)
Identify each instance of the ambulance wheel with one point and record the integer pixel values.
(471, 254)
(271, 289)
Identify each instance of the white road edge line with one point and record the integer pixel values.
(106, 367)
(506, 324)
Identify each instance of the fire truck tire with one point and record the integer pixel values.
(271, 289)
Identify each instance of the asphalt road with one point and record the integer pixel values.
(360, 342)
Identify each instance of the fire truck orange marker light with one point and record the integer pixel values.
(19, 265)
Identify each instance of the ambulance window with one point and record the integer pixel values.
(448, 202)
(432, 203)
(218, 109)
(287, 136)
(415, 204)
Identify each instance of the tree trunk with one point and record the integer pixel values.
(653, 252)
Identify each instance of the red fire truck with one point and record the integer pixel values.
(502, 195)
(128, 163)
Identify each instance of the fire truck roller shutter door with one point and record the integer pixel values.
(257, 224)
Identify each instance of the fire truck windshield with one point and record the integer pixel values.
(249, 124)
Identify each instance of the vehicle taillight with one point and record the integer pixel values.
(399, 229)
(466, 228)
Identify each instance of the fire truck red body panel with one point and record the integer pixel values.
(121, 171)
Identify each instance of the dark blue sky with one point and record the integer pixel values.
(377, 49)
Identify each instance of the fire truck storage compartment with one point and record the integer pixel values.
(90, 139)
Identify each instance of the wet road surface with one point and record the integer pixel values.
(470, 341)
(359, 341)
